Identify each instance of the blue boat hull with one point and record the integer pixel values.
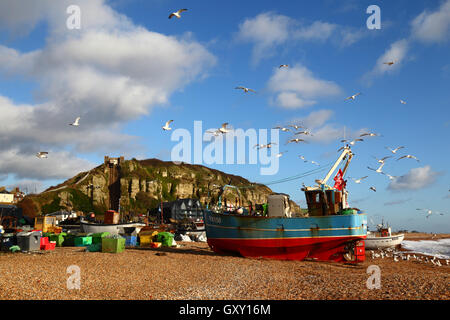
(322, 238)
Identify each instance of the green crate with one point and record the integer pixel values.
(112, 245)
(58, 238)
(97, 237)
(166, 238)
(95, 247)
(82, 241)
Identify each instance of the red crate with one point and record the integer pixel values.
(44, 241)
(50, 246)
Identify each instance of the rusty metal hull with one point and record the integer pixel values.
(322, 238)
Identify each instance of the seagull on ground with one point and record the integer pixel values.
(353, 96)
(167, 125)
(76, 123)
(177, 14)
(395, 150)
(409, 157)
(373, 188)
(42, 154)
(245, 89)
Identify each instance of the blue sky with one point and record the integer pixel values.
(129, 69)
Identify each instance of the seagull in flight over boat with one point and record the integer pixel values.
(402, 101)
(409, 157)
(42, 154)
(296, 140)
(352, 142)
(166, 126)
(359, 180)
(245, 89)
(373, 188)
(353, 96)
(282, 129)
(377, 170)
(177, 14)
(76, 123)
(283, 66)
(395, 150)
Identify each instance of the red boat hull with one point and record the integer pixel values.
(323, 248)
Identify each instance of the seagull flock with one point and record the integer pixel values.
(404, 256)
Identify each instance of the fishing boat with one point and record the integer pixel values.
(111, 224)
(383, 238)
(331, 232)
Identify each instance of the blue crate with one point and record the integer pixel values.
(130, 241)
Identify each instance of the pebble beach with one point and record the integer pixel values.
(193, 271)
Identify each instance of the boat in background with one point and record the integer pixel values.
(111, 224)
(383, 238)
(331, 232)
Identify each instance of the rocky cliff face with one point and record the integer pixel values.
(142, 185)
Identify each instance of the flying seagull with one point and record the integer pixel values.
(245, 89)
(260, 146)
(42, 154)
(280, 154)
(402, 102)
(353, 96)
(377, 170)
(282, 129)
(313, 162)
(303, 158)
(224, 128)
(166, 126)
(306, 132)
(373, 188)
(370, 134)
(177, 14)
(76, 123)
(409, 157)
(390, 63)
(283, 66)
(352, 142)
(296, 140)
(394, 150)
(382, 159)
(296, 126)
(391, 177)
(359, 180)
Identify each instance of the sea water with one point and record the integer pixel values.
(439, 248)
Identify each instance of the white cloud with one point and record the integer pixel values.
(268, 30)
(433, 26)
(109, 72)
(415, 179)
(265, 30)
(297, 87)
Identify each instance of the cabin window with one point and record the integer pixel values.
(317, 197)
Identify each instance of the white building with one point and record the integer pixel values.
(6, 198)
